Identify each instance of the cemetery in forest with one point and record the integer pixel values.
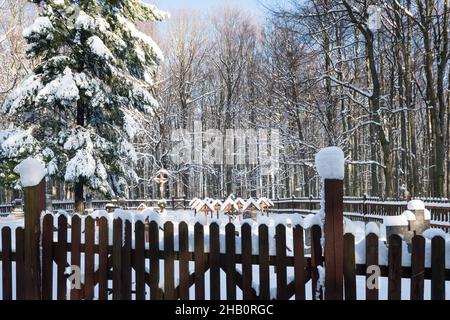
(241, 151)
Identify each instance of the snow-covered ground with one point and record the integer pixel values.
(357, 228)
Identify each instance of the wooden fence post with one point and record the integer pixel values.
(334, 239)
(34, 204)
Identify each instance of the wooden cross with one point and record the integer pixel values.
(161, 180)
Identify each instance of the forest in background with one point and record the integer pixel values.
(370, 77)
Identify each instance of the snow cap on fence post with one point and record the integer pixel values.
(330, 163)
(31, 172)
(330, 166)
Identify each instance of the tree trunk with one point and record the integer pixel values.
(79, 185)
(448, 138)
(377, 125)
(437, 152)
(79, 197)
(442, 106)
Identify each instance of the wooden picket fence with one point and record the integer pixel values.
(135, 250)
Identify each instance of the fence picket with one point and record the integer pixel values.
(214, 261)
(61, 258)
(19, 263)
(230, 266)
(89, 240)
(6, 263)
(117, 259)
(75, 294)
(417, 267)
(126, 261)
(281, 262)
(349, 267)
(264, 278)
(154, 260)
(316, 260)
(47, 257)
(139, 260)
(103, 259)
(169, 287)
(246, 249)
(395, 267)
(437, 268)
(299, 263)
(183, 235)
(372, 260)
(199, 262)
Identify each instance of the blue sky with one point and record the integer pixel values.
(253, 6)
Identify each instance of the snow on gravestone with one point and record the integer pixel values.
(416, 205)
(31, 172)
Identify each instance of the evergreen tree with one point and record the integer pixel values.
(78, 110)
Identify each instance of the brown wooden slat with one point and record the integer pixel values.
(438, 268)
(19, 263)
(117, 259)
(126, 262)
(47, 257)
(139, 260)
(246, 247)
(230, 257)
(89, 239)
(6, 263)
(75, 294)
(199, 262)
(103, 259)
(264, 278)
(281, 262)
(299, 263)
(61, 258)
(34, 204)
(183, 238)
(333, 245)
(372, 260)
(154, 260)
(395, 267)
(417, 267)
(169, 284)
(349, 267)
(214, 261)
(316, 260)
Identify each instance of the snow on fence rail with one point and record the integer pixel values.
(176, 261)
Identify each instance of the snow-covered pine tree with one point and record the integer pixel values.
(78, 110)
